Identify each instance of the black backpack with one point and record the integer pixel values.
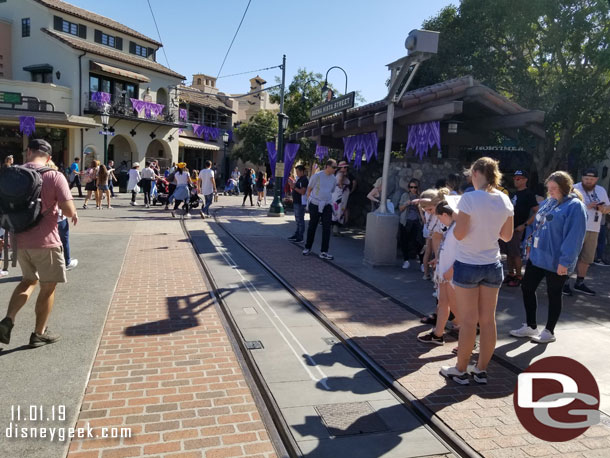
(20, 202)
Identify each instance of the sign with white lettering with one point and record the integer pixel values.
(339, 104)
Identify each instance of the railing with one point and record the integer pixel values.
(120, 105)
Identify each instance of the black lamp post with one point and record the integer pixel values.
(225, 140)
(105, 121)
(276, 208)
(325, 88)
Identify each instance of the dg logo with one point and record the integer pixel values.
(556, 399)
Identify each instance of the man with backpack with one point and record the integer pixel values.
(29, 199)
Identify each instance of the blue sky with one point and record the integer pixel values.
(362, 36)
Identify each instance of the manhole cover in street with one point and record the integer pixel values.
(350, 418)
(254, 345)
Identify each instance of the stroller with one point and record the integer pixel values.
(231, 187)
(194, 200)
(162, 194)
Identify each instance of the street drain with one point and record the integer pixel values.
(254, 345)
(350, 418)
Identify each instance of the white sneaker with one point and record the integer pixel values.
(452, 373)
(545, 336)
(306, 252)
(406, 265)
(524, 331)
(187, 215)
(3, 273)
(72, 265)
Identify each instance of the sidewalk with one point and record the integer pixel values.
(483, 415)
(164, 367)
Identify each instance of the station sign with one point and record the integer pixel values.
(339, 104)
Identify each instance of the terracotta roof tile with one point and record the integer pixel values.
(64, 7)
(94, 48)
(195, 96)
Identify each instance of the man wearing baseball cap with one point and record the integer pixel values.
(40, 251)
(525, 205)
(597, 203)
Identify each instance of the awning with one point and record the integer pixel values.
(118, 71)
(196, 144)
(49, 119)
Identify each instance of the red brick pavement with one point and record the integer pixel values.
(165, 367)
(482, 415)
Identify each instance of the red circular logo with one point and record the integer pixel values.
(556, 399)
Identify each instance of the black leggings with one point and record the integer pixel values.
(554, 286)
(247, 192)
(146, 187)
(185, 206)
(409, 237)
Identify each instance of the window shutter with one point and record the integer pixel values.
(151, 53)
(82, 31)
(132, 47)
(118, 43)
(57, 23)
(98, 36)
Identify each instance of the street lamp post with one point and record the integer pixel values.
(105, 121)
(225, 140)
(325, 88)
(276, 208)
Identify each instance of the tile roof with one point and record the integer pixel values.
(64, 7)
(94, 48)
(195, 96)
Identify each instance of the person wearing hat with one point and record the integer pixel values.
(40, 252)
(525, 206)
(132, 182)
(596, 200)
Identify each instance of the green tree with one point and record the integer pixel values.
(551, 55)
(253, 135)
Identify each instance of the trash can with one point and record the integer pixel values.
(123, 179)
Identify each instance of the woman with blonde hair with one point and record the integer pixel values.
(483, 216)
(553, 248)
(102, 187)
(433, 228)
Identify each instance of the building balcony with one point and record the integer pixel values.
(37, 96)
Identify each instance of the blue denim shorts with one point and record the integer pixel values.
(472, 275)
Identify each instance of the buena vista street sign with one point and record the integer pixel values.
(339, 104)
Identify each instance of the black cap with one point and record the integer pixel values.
(520, 173)
(38, 144)
(590, 172)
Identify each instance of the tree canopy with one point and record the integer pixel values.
(253, 136)
(550, 55)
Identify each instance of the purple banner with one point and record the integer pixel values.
(424, 136)
(150, 109)
(100, 97)
(290, 153)
(360, 144)
(138, 105)
(27, 125)
(272, 156)
(321, 152)
(183, 114)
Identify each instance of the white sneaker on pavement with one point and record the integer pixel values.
(187, 215)
(406, 265)
(72, 265)
(524, 331)
(3, 273)
(545, 336)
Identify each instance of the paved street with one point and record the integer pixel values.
(144, 346)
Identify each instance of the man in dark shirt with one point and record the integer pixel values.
(298, 196)
(525, 205)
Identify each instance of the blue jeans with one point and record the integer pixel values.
(601, 242)
(64, 235)
(208, 201)
(299, 217)
(473, 275)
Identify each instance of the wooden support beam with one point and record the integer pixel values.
(437, 113)
(508, 121)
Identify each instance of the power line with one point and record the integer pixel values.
(158, 33)
(251, 71)
(234, 36)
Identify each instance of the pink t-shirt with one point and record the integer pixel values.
(55, 190)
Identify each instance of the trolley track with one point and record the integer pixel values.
(279, 429)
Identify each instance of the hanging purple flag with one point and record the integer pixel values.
(364, 144)
(372, 146)
(348, 147)
(290, 153)
(138, 105)
(321, 152)
(27, 125)
(183, 114)
(198, 129)
(100, 97)
(272, 156)
(424, 136)
(154, 109)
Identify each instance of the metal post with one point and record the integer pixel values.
(276, 208)
(387, 152)
(105, 146)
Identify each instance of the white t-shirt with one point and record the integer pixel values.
(181, 178)
(598, 194)
(206, 176)
(488, 212)
(446, 254)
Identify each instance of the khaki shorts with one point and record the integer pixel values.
(46, 265)
(589, 246)
(513, 248)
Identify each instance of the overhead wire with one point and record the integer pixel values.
(233, 40)
(158, 33)
(251, 71)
